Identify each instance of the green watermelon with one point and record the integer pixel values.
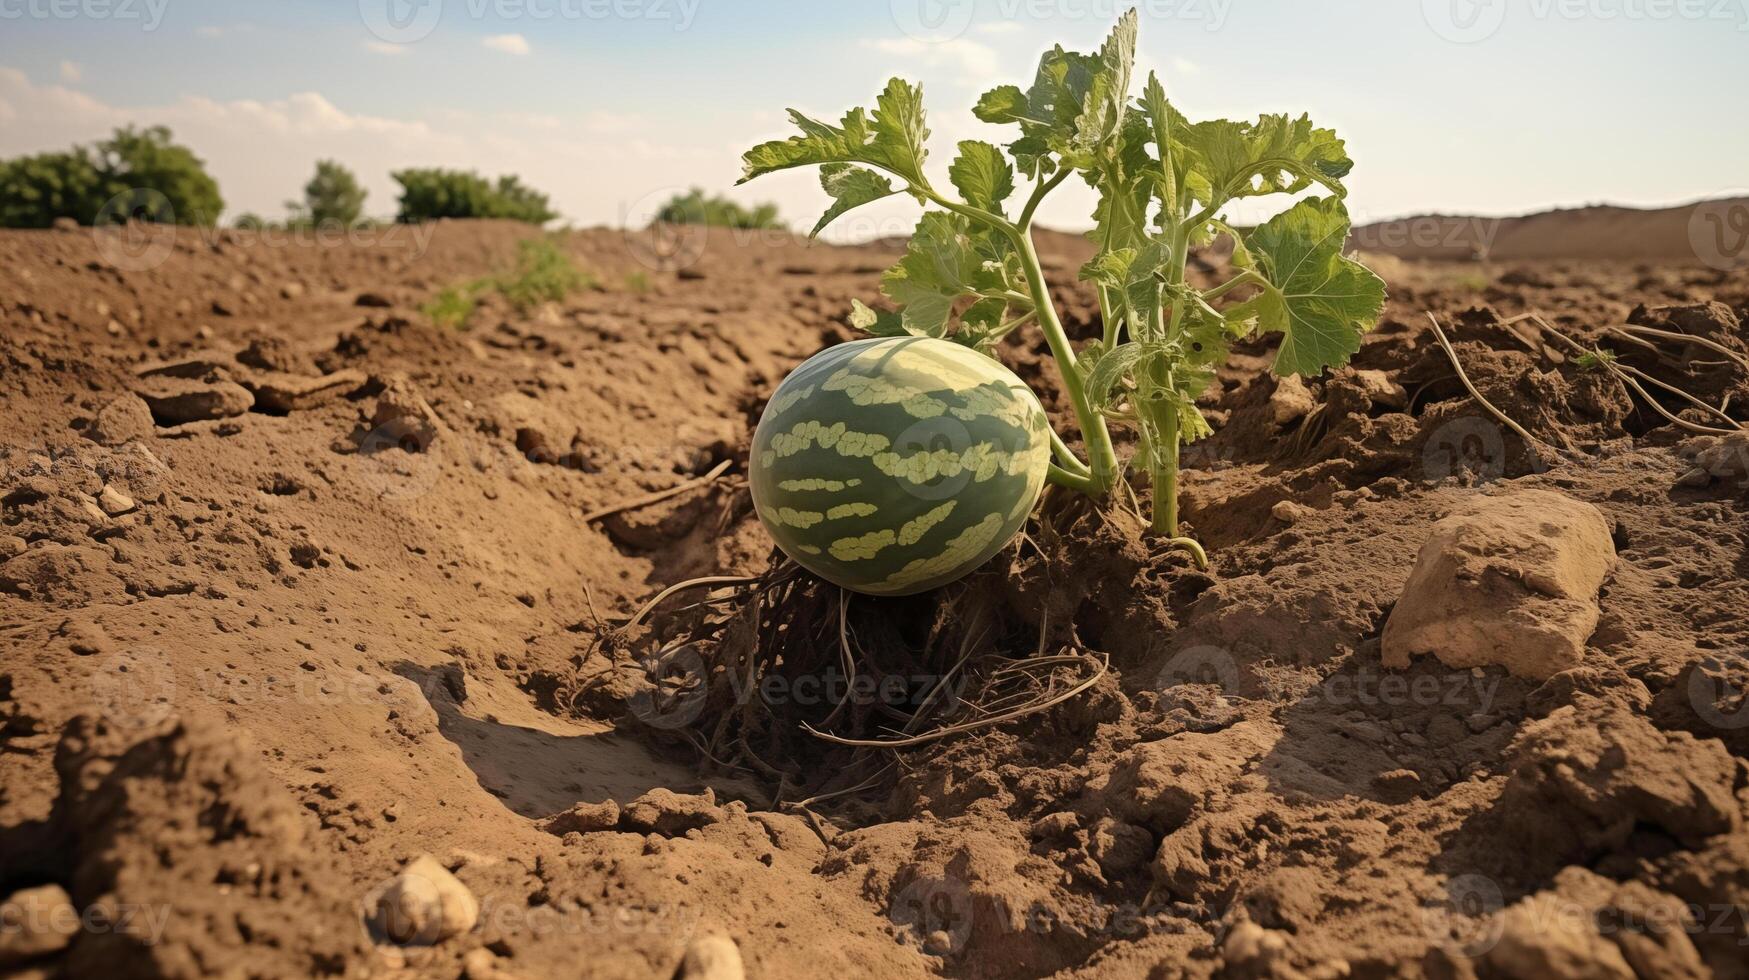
(897, 464)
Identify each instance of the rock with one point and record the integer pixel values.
(1288, 512)
(424, 905)
(1588, 775)
(1717, 458)
(64, 223)
(121, 420)
(36, 922)
(1253, 951)
(1120, 847)
(712, 956)
(584, 818)
(275, 354)
(482, 964)
(375, 301)
(1378, 387)
(1508, 580)
(291, 290)
(403, 417)
(178, 401)
(114, 502)
(670, 814)
(1055, 824)
(1291, 400)
(279, 392)
(1547, 938)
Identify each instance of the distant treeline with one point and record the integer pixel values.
(141, 174)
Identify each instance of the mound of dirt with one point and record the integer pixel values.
(302, 591)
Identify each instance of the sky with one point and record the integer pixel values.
(1458, 106)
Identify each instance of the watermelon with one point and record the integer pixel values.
(894, 465)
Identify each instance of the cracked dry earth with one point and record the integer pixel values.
(292, 583)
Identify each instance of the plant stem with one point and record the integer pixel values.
(1103, 458)
(1073, 481)
(1166, 477)
(1067, 457)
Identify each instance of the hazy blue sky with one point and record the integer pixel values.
(1459, 105)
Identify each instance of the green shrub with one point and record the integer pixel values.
(429, 192)
(79, 182)
(332, 197)
(695, 208)
(543, 273)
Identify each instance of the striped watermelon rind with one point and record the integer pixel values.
(894, 465)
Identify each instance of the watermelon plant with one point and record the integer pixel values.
(971, 273)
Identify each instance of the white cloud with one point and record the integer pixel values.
(975, 61)
(71, 72)
(385, 48)
(507, 43)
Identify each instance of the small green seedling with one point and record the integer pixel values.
(971, 272)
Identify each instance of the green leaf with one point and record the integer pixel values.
(1076, 102)
(1131, 359)
(850, 187)
(891, 140)
(980, 324)
(1321, 302)
(945, 259)
(982, 175)
(878, 323)
(1222, 160)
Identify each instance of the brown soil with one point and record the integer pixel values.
(351, 614)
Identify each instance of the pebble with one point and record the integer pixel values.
(36, 922)
(114, 502)
(712, 956)
(424, 905)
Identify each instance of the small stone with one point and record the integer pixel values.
(424, 905)
(1291, 400)
(670, 814)
(121, 420)
(36, 922)
(584, 818)
(1380, 389)
(177, 401)
(291, 290)
(712, 956)
(1508, 580)
(1055, 824)
(402, 417)
(481, 963)
(114, 502)
(114, 328)
(65, 223)
(1288, 512)
(1547, 938)
(938, 943)
(372, 300)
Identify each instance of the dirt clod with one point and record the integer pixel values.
(1508, 580)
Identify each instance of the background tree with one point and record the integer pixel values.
(136, 173)
(430, 192)
(695, 208)
(332, 197)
